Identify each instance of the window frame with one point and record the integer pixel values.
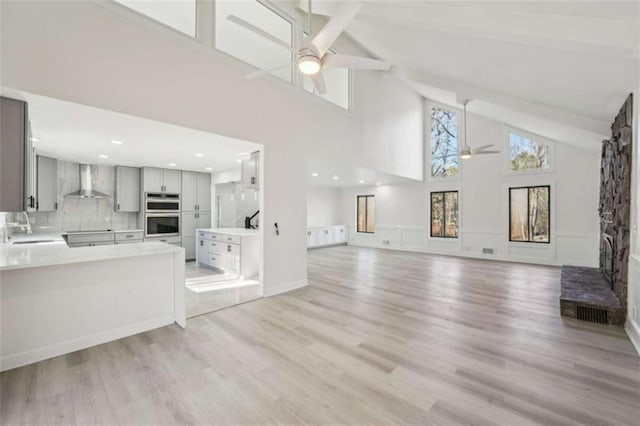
(528, 206)
(536, 138)
(366, 213)
(428, 106)
(444, 216)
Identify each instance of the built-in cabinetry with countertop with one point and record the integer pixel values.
(326, 235)
(127, 189)
(234, 250)
(161, 180)
(196, 208)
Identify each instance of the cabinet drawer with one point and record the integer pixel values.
(89, 238)
(205, 236)
(235, 239)
(215, 260)
(129, 236)
(215, 247)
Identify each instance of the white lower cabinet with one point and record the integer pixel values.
(327, 235)
(235, 254)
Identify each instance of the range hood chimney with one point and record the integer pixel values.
(86, 185)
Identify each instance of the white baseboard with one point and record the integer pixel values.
(283, 288)
(633, 331)
(10, 361)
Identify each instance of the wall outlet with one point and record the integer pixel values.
(487, 250)
(386, 242)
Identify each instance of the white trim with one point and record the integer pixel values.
(633, 331)
(283, 288)
(17, 360)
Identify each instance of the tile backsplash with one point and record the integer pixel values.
(82, 214)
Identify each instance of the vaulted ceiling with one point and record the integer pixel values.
(563, 66)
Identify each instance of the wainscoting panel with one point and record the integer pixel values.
(579, 250)
(632, 326)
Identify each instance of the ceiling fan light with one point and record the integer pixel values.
(465, 154)
(309, 65)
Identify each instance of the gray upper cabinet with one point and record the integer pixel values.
(189, 191)
(127, 194)
(196, 191)
(250, 170)
(15, 151)
(47, 184)
(204, 192)
(152, 179)
(161, 180)
(172, 181)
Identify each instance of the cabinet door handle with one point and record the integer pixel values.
(56, 205)
(118, 207)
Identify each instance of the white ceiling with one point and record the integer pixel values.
(347, 175)
(79, 133)
(528, 63)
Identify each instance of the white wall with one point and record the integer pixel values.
(402, 211)
(323, 206)
(96, 54)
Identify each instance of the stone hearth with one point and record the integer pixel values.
(587, 288)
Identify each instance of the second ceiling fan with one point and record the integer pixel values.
(466, 151)
(313, 54)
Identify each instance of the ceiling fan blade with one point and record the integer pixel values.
(485, 152)
(267, 71)
(332, 60)
(262, 33)
(480, 148)
(318, 83)
(336, 25)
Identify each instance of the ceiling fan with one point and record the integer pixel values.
(467, 152)
(314, 54)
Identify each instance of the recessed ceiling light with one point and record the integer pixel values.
(103, 156)
(35, 140)
(336, 178)
(314, 174)
(172, 164)
(239, 160)
(208, 168)
(361, 181)
(199, 155)
(242, 154)
(378, 183)
(116, 142)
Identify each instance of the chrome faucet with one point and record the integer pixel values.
(28, 223)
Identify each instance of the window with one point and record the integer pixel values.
(444, 214)
(527, 154)
(529, 214)
(366, 213)
(444, 143)
(178, 14)
(248, 46)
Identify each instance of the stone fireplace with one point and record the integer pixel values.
(600, 294)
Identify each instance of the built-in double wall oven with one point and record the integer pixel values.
(162, 215)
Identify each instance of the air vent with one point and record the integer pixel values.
(587, 313)
(487, 250)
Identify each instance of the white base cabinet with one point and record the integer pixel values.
(326, 235)
(237, 253)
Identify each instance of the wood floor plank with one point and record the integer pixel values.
(378, 337)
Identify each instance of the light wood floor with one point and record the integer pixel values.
(379, 337)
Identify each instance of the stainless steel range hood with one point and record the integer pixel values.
(86, 185)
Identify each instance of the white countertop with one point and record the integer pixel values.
(242, 232)
(112, 231)
(19, 256)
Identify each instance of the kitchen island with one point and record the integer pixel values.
(56, 299)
